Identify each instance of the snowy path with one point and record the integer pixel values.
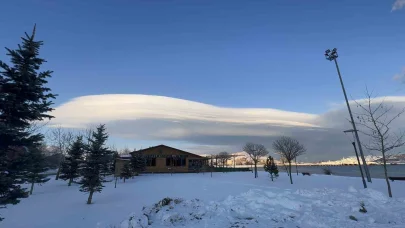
(315, 201)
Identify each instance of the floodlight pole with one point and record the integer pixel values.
(357, 157)
(358, 161)
(332, 55)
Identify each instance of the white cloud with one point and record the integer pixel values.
(400, 76)
(398, 4)
(209, 128)
(114, 107)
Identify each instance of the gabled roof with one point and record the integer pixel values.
(153, 147)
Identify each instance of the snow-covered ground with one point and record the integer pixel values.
(225, 200)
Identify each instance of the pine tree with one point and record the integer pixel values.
(35, 168)
(126, 172)
(114, 159)
(73, 160)
(271, 167)
(108, 161)
(138, 162)
(94, 163)
(23, 99)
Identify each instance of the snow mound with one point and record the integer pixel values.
(262, 208)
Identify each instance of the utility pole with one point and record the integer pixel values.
(332, 56)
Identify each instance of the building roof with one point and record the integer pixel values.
(153, 147)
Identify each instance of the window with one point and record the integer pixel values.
(176, 161)
(195, 163)
(151, 162)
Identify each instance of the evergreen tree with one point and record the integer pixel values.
(35, 168)
(138, 162)
(108, 161)
(73, 160)
(23, 99)
(126, 172)
(94, 163)
(114, 160)
(271, 167)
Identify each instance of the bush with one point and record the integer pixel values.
(271, 167)
(327, 171)
(362, 208)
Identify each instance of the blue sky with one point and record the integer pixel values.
(241, 54)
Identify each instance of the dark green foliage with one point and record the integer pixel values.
(94, 163)
(35, 168)
(107, 163)
(126, 172)
(353, 218)
(115, 155)
(73, 160)
(138, 162)
(271, 167)
(23, 99)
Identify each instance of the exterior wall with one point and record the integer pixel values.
(161, 161)
(161, 152)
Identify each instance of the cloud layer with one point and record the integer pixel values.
(207, 127)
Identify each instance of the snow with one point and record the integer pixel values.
(225, 200)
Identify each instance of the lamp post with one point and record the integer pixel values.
(358, 160)
(332, 56)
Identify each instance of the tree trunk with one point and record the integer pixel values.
(70, 181)
(296, 167)
(271, 175)
(32, 187)
(124, 179)
(386, 176)
(116, 178)
(256, 176)
(286, 169)
(90, 197)
(58, 173)
(289, 167)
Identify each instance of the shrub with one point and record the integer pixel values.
(327, 171)
(362, 207)
(271, 167)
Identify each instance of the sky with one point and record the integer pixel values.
(207, 76)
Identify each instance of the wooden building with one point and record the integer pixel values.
(165, 159)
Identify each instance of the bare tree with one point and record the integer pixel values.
(255, 151)
(375, 121)
(87, 134)
(283, 161)
(36, 127)
(61, 138)
(125, 151)
(223, 158)
(288, 148)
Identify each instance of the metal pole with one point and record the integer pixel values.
(358, 161)
(354, 125)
